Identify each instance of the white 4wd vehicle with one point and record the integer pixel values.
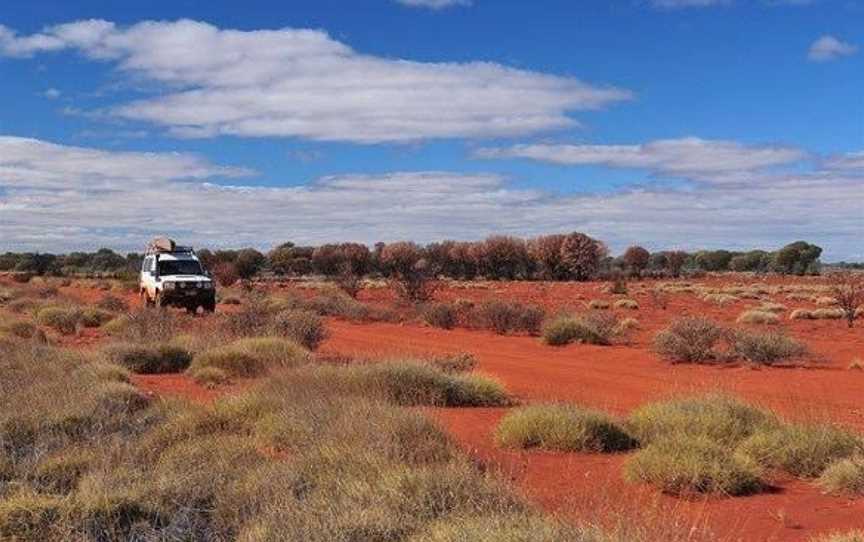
(173, 276)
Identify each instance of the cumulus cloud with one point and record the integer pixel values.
(829, 48)
(303, 83)
(55, 197)
(434, 4)
(687, 157)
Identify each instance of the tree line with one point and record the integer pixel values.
(573, 256)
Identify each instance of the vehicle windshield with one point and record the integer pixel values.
(180, 267)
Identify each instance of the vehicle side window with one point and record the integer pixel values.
(152, 264)
(145, 265)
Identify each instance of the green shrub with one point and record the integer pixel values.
(684, 464)
(717, 417)
(505, 317)
(803, 450)
(765, 348)
(252, 357)
(562, 427)
(845, 476)
(304, 327)
(592, 328)
(149, 359)
(689, 340)
(441, 315)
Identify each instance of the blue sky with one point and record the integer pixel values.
(669, 123)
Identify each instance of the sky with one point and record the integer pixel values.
(673, 124)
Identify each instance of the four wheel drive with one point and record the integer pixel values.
(173, 276)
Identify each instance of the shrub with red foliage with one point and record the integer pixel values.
(503, 258)
(636, 259)
(546, 253)
(226, 274)
(581, 255)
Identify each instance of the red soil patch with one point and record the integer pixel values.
(620, 378)
(181, 386)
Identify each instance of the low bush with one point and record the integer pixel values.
(845, 476)
(441, 315)
(113, 304)
(94, 317)
(719, 417)
(591, 328)
(691, 464)
(803, 450)
(252, 356)
(505, 317)
(689, 340)
(61, 319)
(765, 348)
(144, 326)
(562, 427)
(144, 359)
(302, 326)
(630, 304)
(758, 317)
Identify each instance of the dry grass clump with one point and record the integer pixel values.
(828, 314)
(210, 377)
(20, 329)
(801, 314)
(462, 362)
(562, 427)
(61, 319)
(772, 307)
(756, 316)
(764, 348)
(592, 328)
(720, 418)
(441, 315)
(825, 301)
(144, 326)
(720, 299)
(682, 465)
(627, 325)
(850, 536)
(689, 340)
(598, 304)
(113, 304)
(302, 326)
(252, 357)
(504, 317)
(630, 304)
(507, 527)
(803, 450)
(149, 359)
(845, 476)
(799, 296)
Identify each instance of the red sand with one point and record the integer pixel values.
(618, 379)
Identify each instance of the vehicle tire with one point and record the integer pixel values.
(209, 306)
(193, 310)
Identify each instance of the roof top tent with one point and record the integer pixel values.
(165, 245)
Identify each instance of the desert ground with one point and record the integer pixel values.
(822, 386)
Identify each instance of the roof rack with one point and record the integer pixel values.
(164, 245)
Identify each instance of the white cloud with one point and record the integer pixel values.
(55, 197)
(434, 4)
(687, 157)
(303, 83)
(51, 93)
(829, 48)
(848, 162)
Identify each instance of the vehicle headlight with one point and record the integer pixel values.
(170, 285)
(198, 284)
(208, 285)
